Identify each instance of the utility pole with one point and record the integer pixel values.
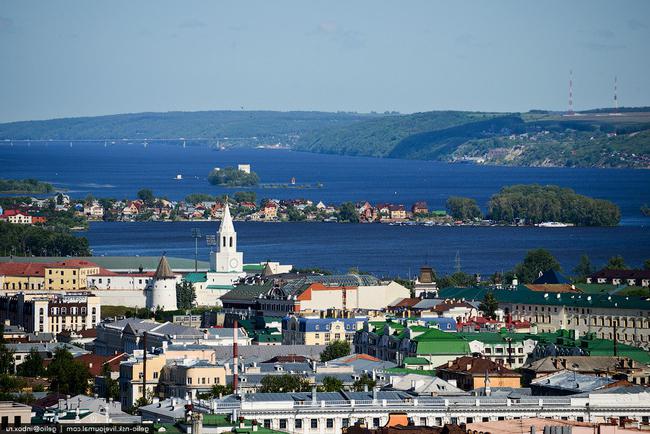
(235, 359)
(144, 367)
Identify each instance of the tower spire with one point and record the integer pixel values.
(570, 111)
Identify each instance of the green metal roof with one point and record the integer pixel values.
(254, 267)
(458, 347)
(247, 292)
(416, 361)
(267, 337)
(524, 295)
(220, 287)
(404, 371)
(195, 277)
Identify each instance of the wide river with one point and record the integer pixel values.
(120, 170)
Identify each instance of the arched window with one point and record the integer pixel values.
(230, 241)
(224, 241)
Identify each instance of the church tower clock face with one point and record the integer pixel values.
(234, 263)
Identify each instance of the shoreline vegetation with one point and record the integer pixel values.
(233, 177)
(25, 186)
(517, 205)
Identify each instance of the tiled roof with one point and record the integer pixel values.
(247, 292)
(477, 366)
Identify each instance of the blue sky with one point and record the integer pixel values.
(87, 57)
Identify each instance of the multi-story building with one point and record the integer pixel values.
(20, 276)
(621, 277)
(132, 377)
(438, 342)
(469, 373)
(69, 275)
(127, 335)
(329, 413)
(319, 331)
(51, 312)
(624, 318)
(191, 378)
(109, 280)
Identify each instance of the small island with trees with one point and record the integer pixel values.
(233, 177)
(25, 186)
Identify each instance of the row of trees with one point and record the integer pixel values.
(232, 177)
(26, 240)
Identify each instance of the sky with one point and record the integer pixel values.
(87, 57)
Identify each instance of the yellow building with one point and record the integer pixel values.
(20, 276)
(190, 378)
(69, 275)
(131, 377)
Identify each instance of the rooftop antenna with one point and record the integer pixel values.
(615, 93)
(570, 111)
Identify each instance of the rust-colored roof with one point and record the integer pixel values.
(72, 263)
(36, 269)
(95, 362)
(407, 302)
(477, 366)
(552, 287)
(360, 356)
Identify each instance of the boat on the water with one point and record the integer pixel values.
(179, 177)
(554, 225)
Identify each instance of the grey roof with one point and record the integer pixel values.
(247, 292)
(576, 363)
(425, 385)
(428, 303)
(45, 347)
(572, 381)
(266, 352)
(296, 285)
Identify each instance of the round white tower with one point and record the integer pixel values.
(162, 291)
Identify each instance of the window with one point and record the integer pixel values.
(423, 421)
(267, 423)
(330, 423)
(283, 424)
(155, 374)
(298, 423)
(345, 422)
(314, 423)
(375, 422)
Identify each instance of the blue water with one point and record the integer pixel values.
(121, 170)
(378, 248)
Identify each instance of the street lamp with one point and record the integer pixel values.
(196, 234)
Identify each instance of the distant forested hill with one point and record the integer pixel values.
(597, 138)
(206, 124)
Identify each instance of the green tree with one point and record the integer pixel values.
(583, 269)
(146, 196)
(245, 196)
(195, 198)
(334, 350)
(616, 263)
(489, 305)
(66, 375)
(331, 384)
(646, 264)
(348, 213)
(294, 214)
(457, 279)
(463, 208)
(185, 295)
(362, 382)
(536, 261)
(112, 386)
(221, 390)
(89, 199)
(232, 177)
(284, 383)
(32, 366)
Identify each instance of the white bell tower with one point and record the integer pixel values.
(226, 259)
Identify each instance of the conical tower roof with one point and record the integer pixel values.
(267, 271)
(163, 271)
(226, 226)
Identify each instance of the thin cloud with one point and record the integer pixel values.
(602, 46)
(6, 25)
(192, 24)
(635, 24)
(328, 27)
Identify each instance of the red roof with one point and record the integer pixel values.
(12, 212)
(360, 356)
(72, 263)
(95, 362)
(407, 302)
(23, 268)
